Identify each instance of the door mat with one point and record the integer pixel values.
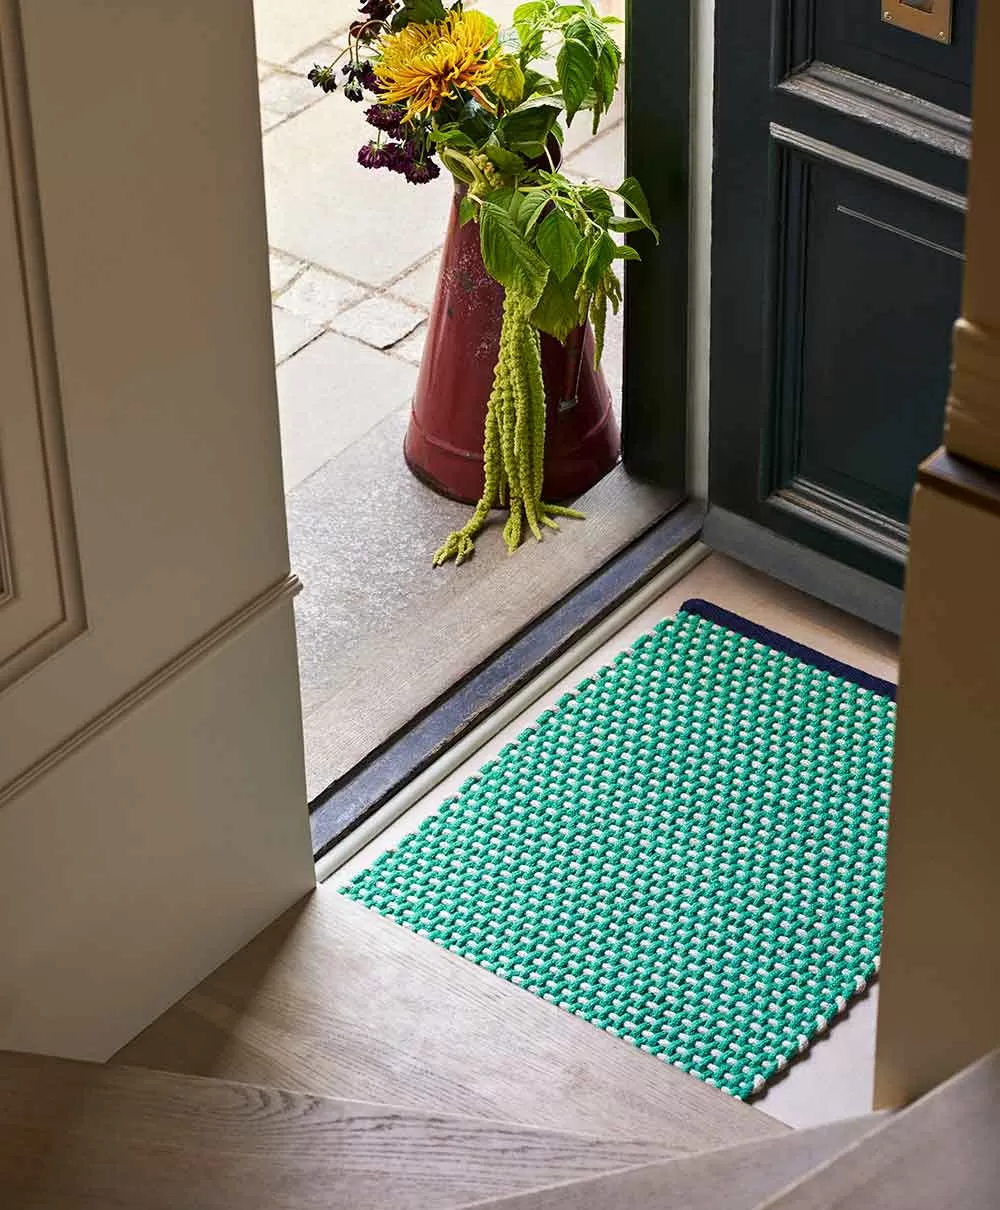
(688, 850)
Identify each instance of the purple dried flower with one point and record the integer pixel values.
(322, 77)
(402, 156)
(371, 156)
(359, 77)
(387, 118)
(421, 174)
(377, 10)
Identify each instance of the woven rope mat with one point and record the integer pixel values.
(688, 851)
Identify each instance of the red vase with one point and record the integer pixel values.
(444, 441)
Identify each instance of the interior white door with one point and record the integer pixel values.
(152, 799)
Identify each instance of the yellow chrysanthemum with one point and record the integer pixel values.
(424, 63)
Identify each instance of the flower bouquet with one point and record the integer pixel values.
(447, 87)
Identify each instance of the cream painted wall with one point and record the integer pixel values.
(152, 797)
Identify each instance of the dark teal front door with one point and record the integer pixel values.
(841, 142)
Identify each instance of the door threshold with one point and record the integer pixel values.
(356, 808)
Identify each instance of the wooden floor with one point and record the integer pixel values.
(76, 1135)
(731, 1178)
(336, 1001)
(82, 1134)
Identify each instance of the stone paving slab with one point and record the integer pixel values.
(291, 333)
(418, 286)
(285, 28)
(412, 348)
(323, 207)
(319, 296)
(329, 395)
(380, 322)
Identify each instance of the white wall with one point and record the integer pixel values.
(152, 799)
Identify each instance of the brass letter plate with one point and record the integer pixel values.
(929, 18)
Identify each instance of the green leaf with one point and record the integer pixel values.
(531, 44)
(418, 11)
(559, 243)
(529, 124)
(613, 288)
(599, 320)
(538, 85)
(529, 12)
(531, 209)
(608, 70)
(627, 224)
(575, 67)
(631, 191)
(452, 136)
(558, 311)
(507, 161)
(508, 82)
(578, 28)
(466, 210)
(626, 253)
(532, 152)
(474, 119)
(506, 199)
(508, 257)
(597, 202)
(599, 261)
(460, 166)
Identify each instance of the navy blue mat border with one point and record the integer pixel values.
(780, 642)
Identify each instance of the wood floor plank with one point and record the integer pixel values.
(337, 1001)
(732, 1178)
(943, 1151)
(86, 1135)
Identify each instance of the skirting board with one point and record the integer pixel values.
(804, 569)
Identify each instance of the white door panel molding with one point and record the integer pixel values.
(147, 199)
(41, 603)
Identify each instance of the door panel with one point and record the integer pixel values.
(836, 268)
(853, 34)
(843, 402)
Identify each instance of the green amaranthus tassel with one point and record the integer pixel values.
(514, 441)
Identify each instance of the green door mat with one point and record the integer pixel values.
(688, 851)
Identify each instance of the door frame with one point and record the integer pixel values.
(658, 111)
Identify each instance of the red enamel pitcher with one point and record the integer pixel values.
(444, 441)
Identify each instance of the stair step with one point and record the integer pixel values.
(733, 1178)
(81, 1134)
(335, 1000)
(943, 1151)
